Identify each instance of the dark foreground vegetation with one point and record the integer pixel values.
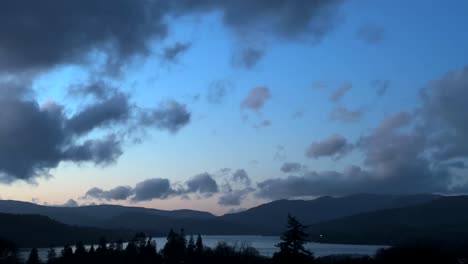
(179, 249)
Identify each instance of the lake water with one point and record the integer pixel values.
(264, 244)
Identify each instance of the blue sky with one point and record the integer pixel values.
(411, 44)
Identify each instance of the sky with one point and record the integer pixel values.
(223, 105)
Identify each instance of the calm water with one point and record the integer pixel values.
(264, 244)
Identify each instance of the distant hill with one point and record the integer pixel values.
(272, 216)
(441, 220)
(92, 215)
(41, 231)
(266, 219)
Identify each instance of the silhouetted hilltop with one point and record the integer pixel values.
(272, 215)
(441, 220)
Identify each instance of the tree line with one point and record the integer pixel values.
(180, 250)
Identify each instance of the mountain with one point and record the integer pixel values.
(41, 231)
(266, 219)
(441, 220)
(272, 216)
(92, 215)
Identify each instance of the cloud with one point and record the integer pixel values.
(170, 115)
(264, 123)
(381, 86)
(70, 203)
(340, 92)
(289, 167)
(342, 114)
(256, 98)
(218, 90)
(97, 89)
(117, 193)
(319, 85)
(335, 146)
(151, 189)
(297, 114)
(41, 34)
(248, 57)
(241, 176)
(202, 183)
(110, 111)
(35, 139)
(172, 53)
(234, 198)
(371, 34)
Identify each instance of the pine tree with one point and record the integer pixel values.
(292, 246)
(191, 246)
(33, 257)
(199, 245)
(51, 256)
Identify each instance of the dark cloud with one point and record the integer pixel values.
(289, 167)
(256, 98)
(234, 197)
(241, 176)
(43, 34)
(218, 90)
(342, 114)
(151, 189)
(170, 115)
(34, 139)
(202, 183)
(340, 92)
(48, 33)
(172, 53)
(381, 86)
(335, 146)
(117, 193)
(110, 111)
(371, 34)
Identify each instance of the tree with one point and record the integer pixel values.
(174, 250)
(191, 246)
(199, 245)
(292, 246)
(51, 256)
(33, 257)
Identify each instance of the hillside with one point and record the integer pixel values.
(41, 231)
(444, 219)
(272, 216)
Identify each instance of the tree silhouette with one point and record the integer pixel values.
(292, 246)
(199, 245)
(33, 257)
(51, 256)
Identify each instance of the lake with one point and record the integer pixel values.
(264, 244)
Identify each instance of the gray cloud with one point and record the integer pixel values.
(342, 114)
(172, 53)
(241, 176)
(218, 90)
(234, 198)
(334, 146)
(34, 139)
(202, 183)
(117, 193)
(371, 34)
(340, 92)
(70, 203)
(37, 36)
(151, 189)
(381, 86)
(170, 115)
(41, 34)
(256, 98)
(289, 167)
(110, 111)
